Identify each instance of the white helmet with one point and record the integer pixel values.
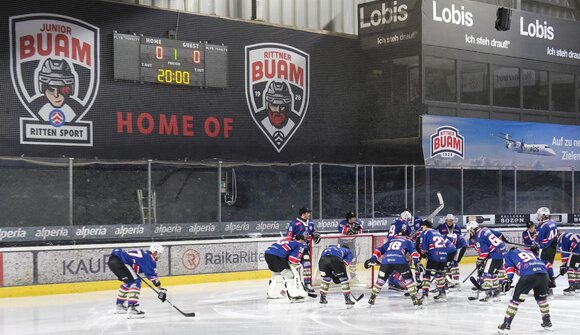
(450, 217)
(156, 247)
(406, 215)
(543, 214)
(472, 225)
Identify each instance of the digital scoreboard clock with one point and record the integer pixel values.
(169, 62)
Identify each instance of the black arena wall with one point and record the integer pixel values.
(327, 131)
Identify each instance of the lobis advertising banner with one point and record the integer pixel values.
(96, 79)
(453, 142)
(470, 25)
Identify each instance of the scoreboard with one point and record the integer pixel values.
(169, 62)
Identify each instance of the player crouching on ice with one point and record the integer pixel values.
(569, 245)
(283, 259)
(126, 265)
(533, 276)
(397, 252)
(332, 264)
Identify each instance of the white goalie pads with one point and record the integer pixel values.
(277, 287)
(294, 286)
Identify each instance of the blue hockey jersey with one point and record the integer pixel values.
(489, 245)
(292, 250)
(523, 263)
(547, 233)
(344, 253)
(300, 227)
(343, 227)
(435, 246)
(568, 242)
(528, 238)
(141, 261)
(397, 250)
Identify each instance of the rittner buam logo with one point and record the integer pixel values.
(277, 89)
(447, 142)
(54, 64)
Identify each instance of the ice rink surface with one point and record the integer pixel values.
(242, 308)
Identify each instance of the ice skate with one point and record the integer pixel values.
(504, 328)
(120, 309)
(323, 299)
(133, 312)
(569, 291)
(546, 322)
(347, 300)
(372, 300)
(441, 297)
(416, 302)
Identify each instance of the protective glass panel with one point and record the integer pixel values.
(33, 195)
(266, 193)
(107, 194)
(338, 190)
(555, 191)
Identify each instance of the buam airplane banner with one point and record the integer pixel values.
(453, 142)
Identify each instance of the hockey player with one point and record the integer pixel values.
(436, 249)
(451, 231)
(350, 226)
(491, 250)
(547, 239)
(529, 235)
(533, 276)
(332, 265)
(302, 225)
(567, 243)
(283, 259)
(449, 226)
(397, 252)
(127, 265)
(406, 223)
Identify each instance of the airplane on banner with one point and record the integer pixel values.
(524, 148)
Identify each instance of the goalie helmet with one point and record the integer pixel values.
(406, 215)
(543, 214)
(450, 217)
(156, 247)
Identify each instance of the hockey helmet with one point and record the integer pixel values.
(156, 247)
(472, 225)
(530, 223)
(450, 217)
(406, 215)
(56, 73)
(427, 223)
(350, 215)
(304, 210)
(543, 213)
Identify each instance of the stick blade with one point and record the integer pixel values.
(189, 315)
(440, 197)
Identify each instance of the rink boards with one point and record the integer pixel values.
(84, 267)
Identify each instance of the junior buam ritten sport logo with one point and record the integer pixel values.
(54, 62)
(277, 89)
(447, 142)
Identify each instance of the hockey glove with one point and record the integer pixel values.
(480, 263)
(162, 294)
(563, 270)
(157, 283)
(535, 249)
(506, 285)
(316, 237)
(369, 262)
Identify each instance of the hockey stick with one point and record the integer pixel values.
(557, 250)
(189, 315)
(438, 209)
(359, 297)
